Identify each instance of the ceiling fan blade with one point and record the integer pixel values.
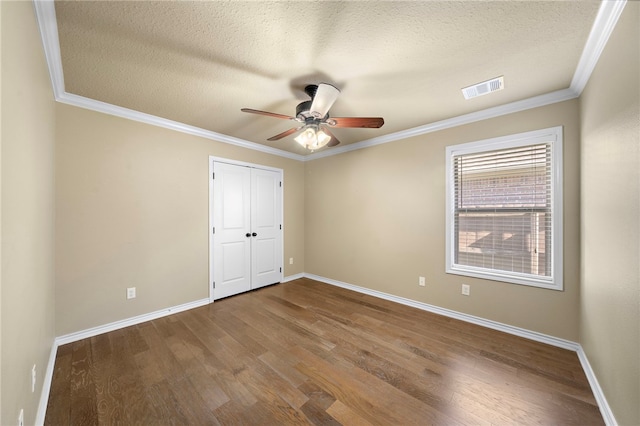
(367, 122)
(334, 141)
(285, 134)
(269, 114)
(324, 98)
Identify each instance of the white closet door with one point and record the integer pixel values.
(266, 222)
(247, 217)
(232, 213)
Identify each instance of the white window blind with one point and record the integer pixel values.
(502, 212)
(503, 209)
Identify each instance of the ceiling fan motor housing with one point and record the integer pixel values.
(302, 110)
(311, 90)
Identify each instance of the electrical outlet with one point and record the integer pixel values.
(421, 282)
(33, 378)
(131, 293)
(21, 418)
(466, 289)
(291, 261)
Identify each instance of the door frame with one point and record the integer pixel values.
(212, 160)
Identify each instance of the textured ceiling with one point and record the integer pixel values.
(200, 62)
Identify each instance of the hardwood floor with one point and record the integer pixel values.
(305, 352)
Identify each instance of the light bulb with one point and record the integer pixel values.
(313, 138)
(306, 138)
(322, 139)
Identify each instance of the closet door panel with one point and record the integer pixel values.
(247, 217)
(266, 217)
(232, 221)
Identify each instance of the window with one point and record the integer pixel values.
(504, 209)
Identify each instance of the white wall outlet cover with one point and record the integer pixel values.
(421, 281)
(131, 293)
(466, 289)
(291, 261)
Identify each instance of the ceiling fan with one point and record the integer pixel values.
(313, 115)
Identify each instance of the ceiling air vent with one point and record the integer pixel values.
(483, 88)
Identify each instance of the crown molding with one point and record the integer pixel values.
(603, 26)
(106, 108)
(46, 18)
(510, 108)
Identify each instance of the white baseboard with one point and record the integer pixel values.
(46, 385)
(603, 405)
(90, 332)
(528, 334)
(73, 337)
(292, 277)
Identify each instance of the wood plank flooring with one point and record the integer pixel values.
(305, 352)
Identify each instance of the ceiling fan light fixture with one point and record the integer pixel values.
(314, 114)
(322, 138)
(313, 138)
(305, 137)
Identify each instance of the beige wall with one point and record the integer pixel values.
(28, 121)
(610, 303)
(376, 218)
(132, 211)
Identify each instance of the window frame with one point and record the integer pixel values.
(553, 136)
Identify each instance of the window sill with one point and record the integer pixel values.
(512, 278)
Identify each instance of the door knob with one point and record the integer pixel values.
(254, 234)
(247, 235)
